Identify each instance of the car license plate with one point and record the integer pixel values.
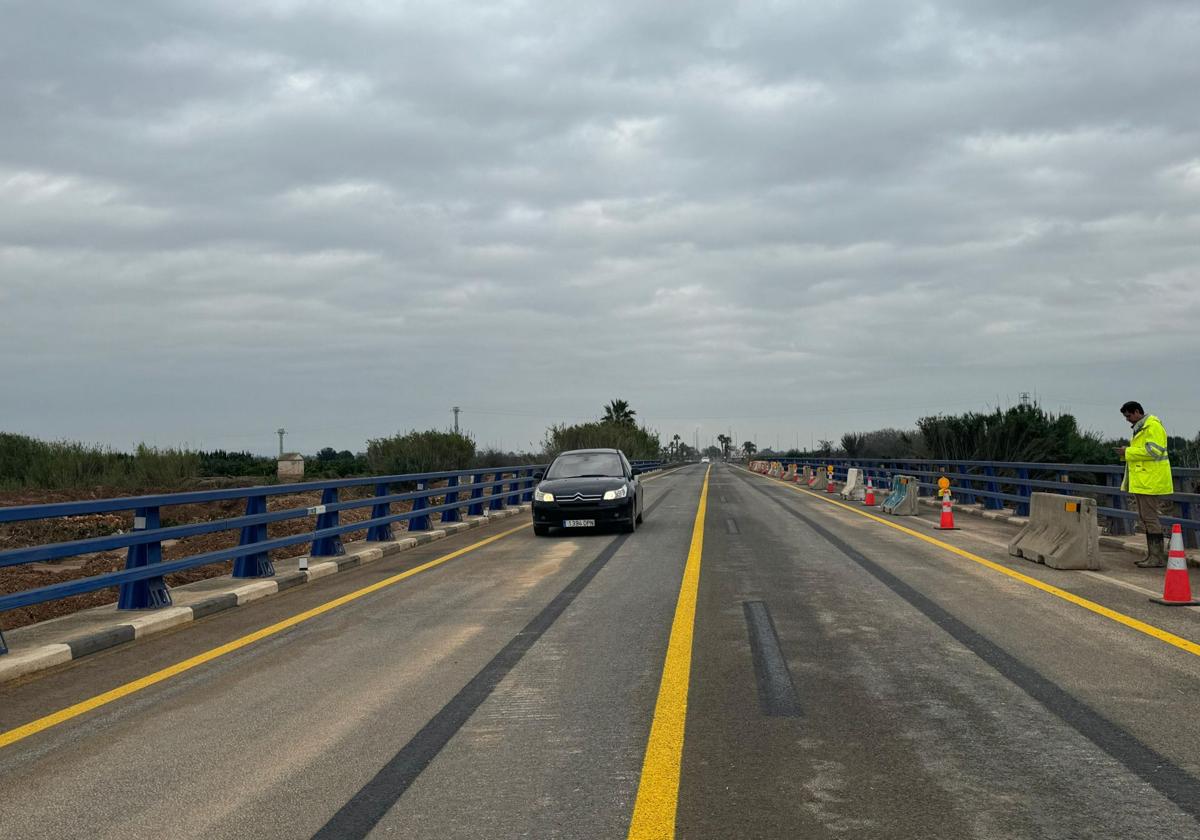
(579, 523)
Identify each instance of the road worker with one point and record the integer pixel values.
(1148, 478)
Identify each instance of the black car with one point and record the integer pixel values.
(585, 488)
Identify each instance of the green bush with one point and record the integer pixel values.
(637, 442)
(26, 462)
(330, 463)
(219, 463)
(1020, 433)
(419, 452)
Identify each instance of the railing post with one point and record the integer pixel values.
(419, 523)
(327, 546)
(451, 515)
(150, 593)
(476, 508)
(257, 564)
(527, 496)
(968, 495)
(1024, 491)
(497, 495)
(381, 533)
(991, 502)
(514, 489)
(1185, 512)
(1119, 525)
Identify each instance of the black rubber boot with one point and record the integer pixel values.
(1156, 556)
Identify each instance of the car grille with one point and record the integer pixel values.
(578, 498)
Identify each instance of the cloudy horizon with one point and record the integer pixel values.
(790, 221)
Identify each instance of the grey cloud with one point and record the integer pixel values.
(266, 213)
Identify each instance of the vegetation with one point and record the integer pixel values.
(619, 412)
(726, 444)
(616, 429)
(418, 452)
(26, 462)
(1020, 433)
(222, 463)
(636, 442)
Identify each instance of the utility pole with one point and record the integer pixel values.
(281, 432)
(456, 409)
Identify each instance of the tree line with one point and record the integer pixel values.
(28, 463)
(1025, 432)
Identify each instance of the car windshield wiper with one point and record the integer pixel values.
(594, 475)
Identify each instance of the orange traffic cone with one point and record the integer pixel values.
(1177, 589)
(869, 499)
(947, 523)
(831, 486)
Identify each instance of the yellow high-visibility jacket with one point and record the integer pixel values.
(1147, 467)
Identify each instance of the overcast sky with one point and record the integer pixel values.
(785, 220)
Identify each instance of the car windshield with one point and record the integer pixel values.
(586, 464)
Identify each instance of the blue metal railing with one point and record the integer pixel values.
(998, 484)
(141, 582)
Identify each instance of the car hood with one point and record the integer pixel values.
(587, 486)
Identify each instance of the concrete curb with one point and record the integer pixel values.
(51, 643)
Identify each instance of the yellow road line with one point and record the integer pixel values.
(63, 715)
(658, 790)
(41, 724)
(1140, 626)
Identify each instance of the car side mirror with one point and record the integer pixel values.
(634, 471)
(538, 476)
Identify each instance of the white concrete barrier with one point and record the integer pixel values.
(1062, 533)
(855, 489)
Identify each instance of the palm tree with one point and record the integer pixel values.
(749, 448)
(725, 441)
(619, 412)
(675, 445)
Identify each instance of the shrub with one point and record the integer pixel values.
(637, 442)
(419, 452)
(26, 462)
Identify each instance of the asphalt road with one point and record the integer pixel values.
(847, 680)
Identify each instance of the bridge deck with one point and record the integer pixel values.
(848, 679)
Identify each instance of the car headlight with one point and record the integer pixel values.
(542, 496)
(620, 493)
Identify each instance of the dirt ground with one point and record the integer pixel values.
(33, 575)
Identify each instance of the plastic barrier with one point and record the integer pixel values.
(819, 481)
(903, 499)
(1062, 533)
(854, 489)
(776, 469)
(806, 475)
